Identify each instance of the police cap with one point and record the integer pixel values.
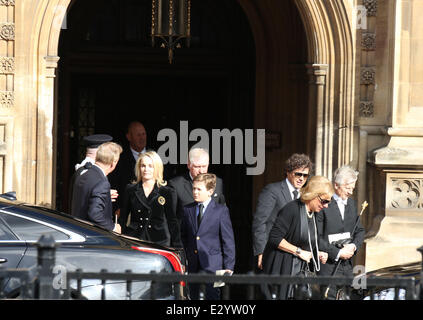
(95, 140)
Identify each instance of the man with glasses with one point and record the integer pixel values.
(198, 162)
(273, 198)
(336, 225)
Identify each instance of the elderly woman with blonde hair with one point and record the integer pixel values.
(293, 240)
(147, 211)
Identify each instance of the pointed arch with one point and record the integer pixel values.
(331, 56)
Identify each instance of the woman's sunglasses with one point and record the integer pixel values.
(323, 201)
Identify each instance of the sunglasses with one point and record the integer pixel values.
(323, 201)
(299, 175)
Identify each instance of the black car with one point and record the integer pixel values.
(81, 245)
(403, 271)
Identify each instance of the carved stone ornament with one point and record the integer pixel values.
(7, 99)
(368, 76)
(7, 2)
(366, 109)
(371, 7)
(368, 41)
(7, 65)
(7, 31)
(406, 194)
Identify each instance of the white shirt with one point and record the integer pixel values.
(205, 204)
(292, 189)
(136, 154)
(87, 159)
(341, 204)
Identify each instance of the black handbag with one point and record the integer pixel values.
(307, 291)
(310, 291)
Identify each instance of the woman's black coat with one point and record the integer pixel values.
(287, 226)
(153, 218)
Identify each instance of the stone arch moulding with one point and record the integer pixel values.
(331, 55)
(51, 14)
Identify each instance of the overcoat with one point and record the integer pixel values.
(150, 218)
(91, 198)
(211, 246)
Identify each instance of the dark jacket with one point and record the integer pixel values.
(91, 198)
(287, 226)
(153, 218)
(271, 200)
(123, 174)
(182, 195)
(212, 246)
(329, 221)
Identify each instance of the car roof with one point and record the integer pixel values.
(90, 229)
(412, 269)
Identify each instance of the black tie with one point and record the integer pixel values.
(200, 214)
(295, 193)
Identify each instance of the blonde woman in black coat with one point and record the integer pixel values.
(147, 212)
(293, 241)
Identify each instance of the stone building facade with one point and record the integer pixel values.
(365, 104)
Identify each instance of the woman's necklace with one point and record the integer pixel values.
(309, 214)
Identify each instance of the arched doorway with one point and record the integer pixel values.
(109, 75)
(330, 91)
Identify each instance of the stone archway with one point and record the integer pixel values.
(38, 25)
(328, 26)
(331, 69)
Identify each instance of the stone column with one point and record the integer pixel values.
(44, 178)
(7, 93)
(323, 119)
(397, 168)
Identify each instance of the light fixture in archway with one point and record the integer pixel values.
(171, 23)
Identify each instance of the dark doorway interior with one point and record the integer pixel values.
(109, 74)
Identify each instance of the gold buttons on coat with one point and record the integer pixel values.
(195, 251)
(198, 238)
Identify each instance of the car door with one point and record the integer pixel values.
(17, 239)
(12, 250)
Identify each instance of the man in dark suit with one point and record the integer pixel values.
(207, 235)
(91, 143)
(336, 223)
(273, 198)
(198, 162)
(91, 199)
(125, 169)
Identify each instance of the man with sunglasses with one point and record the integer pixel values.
(336, 226)
(273, 198)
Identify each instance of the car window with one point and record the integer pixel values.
(5, 233)
(31, 230)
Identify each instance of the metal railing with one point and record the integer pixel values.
(37, 282)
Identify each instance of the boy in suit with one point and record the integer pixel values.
(198, 162)
(207, 234)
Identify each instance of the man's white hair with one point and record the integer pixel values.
(345, 175)
(196, 153)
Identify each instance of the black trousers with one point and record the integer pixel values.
(210, 293)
